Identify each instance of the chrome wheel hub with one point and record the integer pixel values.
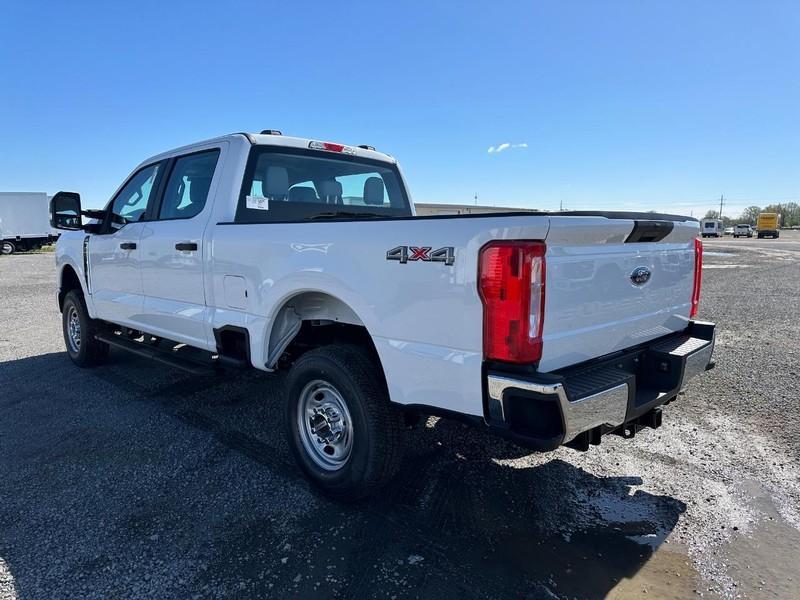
(73, 329)
(325, 426)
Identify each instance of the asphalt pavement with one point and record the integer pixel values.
(135, 480)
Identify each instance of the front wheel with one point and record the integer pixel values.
(79, 331)
(341, 427)
(7, 247)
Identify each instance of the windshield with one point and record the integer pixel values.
(285, 184)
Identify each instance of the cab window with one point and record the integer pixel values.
(130, 204)
(287, 184)
(187, 187)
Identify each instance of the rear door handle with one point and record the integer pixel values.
(186, 246)
(128, 245)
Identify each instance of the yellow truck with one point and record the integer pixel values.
(767, 225)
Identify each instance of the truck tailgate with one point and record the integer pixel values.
(593, 306)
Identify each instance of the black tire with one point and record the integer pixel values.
(7, 247)
(376, 425)
(87, 351)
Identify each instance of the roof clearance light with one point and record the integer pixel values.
(331, 147)
(271, 132)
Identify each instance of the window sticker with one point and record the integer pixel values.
(257, 202)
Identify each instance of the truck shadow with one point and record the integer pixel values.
(465, 516)
(528, 524)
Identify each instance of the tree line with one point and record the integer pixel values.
(789, 214)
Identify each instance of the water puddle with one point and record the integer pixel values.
(668, 574)
(601, 563)
(765, 560)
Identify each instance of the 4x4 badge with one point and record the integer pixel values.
(405, 254)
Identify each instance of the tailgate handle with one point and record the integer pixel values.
(128, 245)
(186, 246)
(649, 231)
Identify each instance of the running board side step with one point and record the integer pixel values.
(166, 356)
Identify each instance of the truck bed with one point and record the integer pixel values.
(425, 317)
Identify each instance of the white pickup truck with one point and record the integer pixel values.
(272, 252)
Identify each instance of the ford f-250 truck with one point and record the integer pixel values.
(272, 252)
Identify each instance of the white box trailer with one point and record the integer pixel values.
(24, 221)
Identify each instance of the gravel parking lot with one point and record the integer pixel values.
(135, 480)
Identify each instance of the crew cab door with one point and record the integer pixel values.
(113, 255)
(172, 249)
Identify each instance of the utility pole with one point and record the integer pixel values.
(560, 206)
(721, 199)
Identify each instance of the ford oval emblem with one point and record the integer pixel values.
(640, 276)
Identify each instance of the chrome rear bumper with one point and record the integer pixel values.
(544, 411)
(603, 408)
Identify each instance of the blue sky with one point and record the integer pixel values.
(613, 105)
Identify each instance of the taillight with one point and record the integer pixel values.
(698, 277)
(511, 279)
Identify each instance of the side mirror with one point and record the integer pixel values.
(65, 211)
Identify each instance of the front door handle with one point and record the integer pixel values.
(186, 246)
(128, 245)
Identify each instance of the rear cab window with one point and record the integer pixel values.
(293, 184)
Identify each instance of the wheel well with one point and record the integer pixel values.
(316, 308)
(313, 334)
(313, 319)
(69, 282)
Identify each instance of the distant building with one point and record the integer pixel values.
(424, 209)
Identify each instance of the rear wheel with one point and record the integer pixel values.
(341, 427)
(7, 247)
(79, 331)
